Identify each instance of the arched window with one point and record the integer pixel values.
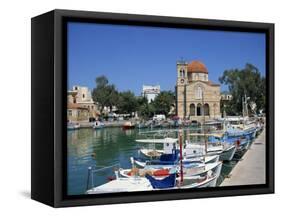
(206, 109)
(182, 73)
(192, 110)
(198, 92)
(199, 109)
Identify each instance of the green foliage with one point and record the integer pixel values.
(245, 81)
(107, 95)
(104, 93)
(127, 102)
(163, 102)
(145, 109)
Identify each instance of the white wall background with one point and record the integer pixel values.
(15, 102)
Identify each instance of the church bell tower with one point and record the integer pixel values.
(182, 80)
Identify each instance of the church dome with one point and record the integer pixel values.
(197, 66)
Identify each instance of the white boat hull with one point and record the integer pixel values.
(143, 184)
(214, 167)
(206, 159)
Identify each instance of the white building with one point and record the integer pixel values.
(150, 92)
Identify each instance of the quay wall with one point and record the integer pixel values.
(250, 170)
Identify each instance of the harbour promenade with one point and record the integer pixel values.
(251, 168)
(87, 124)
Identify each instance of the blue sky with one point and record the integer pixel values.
(131, 56)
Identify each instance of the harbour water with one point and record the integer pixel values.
(103, 148)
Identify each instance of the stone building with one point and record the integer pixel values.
(75, 113)
(80, 99)
(196, 96)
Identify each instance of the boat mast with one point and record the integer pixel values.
(203, 125)
(181, 166)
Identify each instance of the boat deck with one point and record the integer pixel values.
(251, 169)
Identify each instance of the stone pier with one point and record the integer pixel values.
(251, 169)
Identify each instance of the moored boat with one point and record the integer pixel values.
(214, 145)
(73, 126)
(201, 170)
(128, 125)
(191, 151)
(98, 125)
(149, 183)
(187, 162)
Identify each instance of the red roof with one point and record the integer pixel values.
(196, 66)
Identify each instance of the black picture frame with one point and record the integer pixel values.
(49, 89)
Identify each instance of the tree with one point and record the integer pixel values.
(163, 102)
(127, 102)
(245, 81)
(104, 93)
(145, 109)
(101, 81)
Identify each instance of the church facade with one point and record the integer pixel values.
(196, 96)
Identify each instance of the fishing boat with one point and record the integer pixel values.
(192, 152)
(171, 181)
(202, 170)
(128, 125)
(169, 154)
(242, 143)
(215, 145)
(248, 130)
(168, 145)
(170, 162)
(152, 152)
(73, 126)
(236, 126)
(98, 125)
(149, 183)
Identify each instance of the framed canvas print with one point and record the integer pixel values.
(133, 108)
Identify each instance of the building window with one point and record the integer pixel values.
(181, 73)
(192, 110)
(199, 109)
(70, 113)
(206, 109)
(198, 92)
(83, 96)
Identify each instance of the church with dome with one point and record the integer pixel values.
(196, 95)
